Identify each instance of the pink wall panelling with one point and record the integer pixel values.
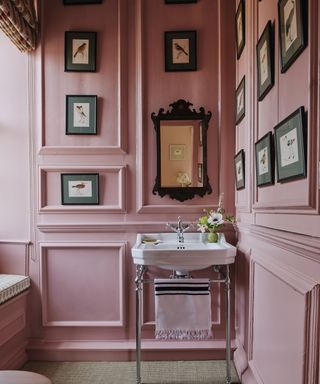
(74, 294)
(163, 88)
(14, 144)
(107, 82)
(111, 188)
(278, 343)
(160, 88)
(13, 332)
(14, 257)
(67, 237)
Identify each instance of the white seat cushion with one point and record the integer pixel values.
(22, 377)
(12, 285)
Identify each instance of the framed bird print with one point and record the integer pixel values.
(240, 28)
(292, 30)
(81, 114)
(264, 160)
(180, 51)
(239, 170)
(265, 61)
(291, 146)
(80, 188)
(241, 100)
(80, 51)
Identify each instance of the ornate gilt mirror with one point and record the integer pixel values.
(181, 136)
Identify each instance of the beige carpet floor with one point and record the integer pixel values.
(164, 372)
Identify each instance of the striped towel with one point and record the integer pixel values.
(182, 309)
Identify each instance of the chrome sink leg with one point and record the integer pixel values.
(228, 320)
(138, 281)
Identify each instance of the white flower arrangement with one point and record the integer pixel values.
(213, 220)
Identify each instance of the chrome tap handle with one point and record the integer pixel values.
(187, 226)
(174, 229)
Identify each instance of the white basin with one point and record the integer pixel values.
(164, 251)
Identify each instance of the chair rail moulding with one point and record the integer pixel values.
(290, 223)
(68, 247)
(121, 100)
(305, 246)
(114, 227)
(49, 178)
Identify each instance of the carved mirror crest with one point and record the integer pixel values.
(181, 136)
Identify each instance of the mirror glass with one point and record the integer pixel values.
(181, 151)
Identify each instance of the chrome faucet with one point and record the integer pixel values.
(180, 229)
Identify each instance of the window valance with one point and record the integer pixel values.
(18, 22)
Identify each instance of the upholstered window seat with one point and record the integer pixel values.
(12, 285)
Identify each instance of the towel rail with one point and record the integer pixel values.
(139, 281)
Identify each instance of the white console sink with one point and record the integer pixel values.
(164, 251)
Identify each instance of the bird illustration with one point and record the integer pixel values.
(180, 50)
(263, 158)
(289, 21)
(79, 186)
(80, 50)
(82, 115)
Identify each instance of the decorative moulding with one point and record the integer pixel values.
(91, 246)
(112, 227)
(309, 289)
(142, 206)
(44, 207)
(121, 97)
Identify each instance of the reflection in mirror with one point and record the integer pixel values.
(181, 151)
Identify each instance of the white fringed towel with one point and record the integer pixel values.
(182, 309)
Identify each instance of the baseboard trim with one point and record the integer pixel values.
(125, 350)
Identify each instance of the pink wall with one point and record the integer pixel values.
(14, 144)
(277, 282)
(82, 305)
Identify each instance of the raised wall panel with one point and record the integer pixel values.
(82, 284)
(109, 82)
(150, 33)
(111, 189)
(283, 314)
(278, 343)
(292, 89)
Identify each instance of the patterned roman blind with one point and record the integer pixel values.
(18, 22)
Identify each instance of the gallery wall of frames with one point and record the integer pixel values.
(276, 165)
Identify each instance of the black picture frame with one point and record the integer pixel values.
(264, 153)
(239, 170)
(265, 61)
(293, 17)
(241, 100)
(200, 173)
(180, 50)
(81, 114)
(80, 51)
(240, 28)
(80, 188)
(180, 1)
(291, 146)
(81, 2)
